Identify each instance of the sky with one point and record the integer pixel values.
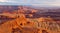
(31, 2)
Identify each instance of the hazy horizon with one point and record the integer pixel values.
(45, 3)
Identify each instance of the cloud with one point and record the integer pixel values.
(46, 3)
(9, 1)
(3, 0)
(34, 2)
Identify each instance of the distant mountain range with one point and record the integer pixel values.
(16, 7)
(8, 8)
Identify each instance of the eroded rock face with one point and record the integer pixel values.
(18, 25)
(26, 25)
(44, 31)
(28, 20)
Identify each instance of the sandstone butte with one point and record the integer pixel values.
(25, 25)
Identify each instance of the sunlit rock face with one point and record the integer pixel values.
(49, 25)
(26, 25)
(18, 25)
(21, 19)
